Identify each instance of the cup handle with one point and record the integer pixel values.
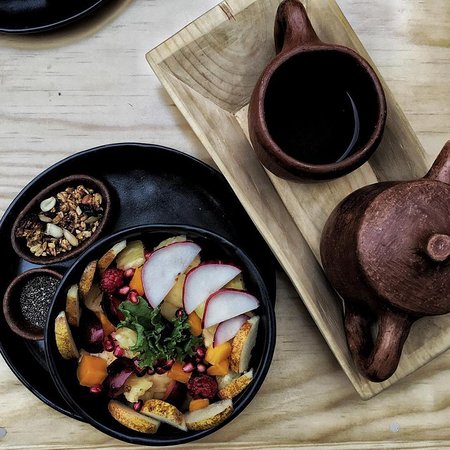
(292, 26)
(379, 360)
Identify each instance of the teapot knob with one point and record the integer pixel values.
(438, 247)
(440, 170)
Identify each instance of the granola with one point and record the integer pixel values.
(63, 221)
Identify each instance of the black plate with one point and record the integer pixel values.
(152, 184)
(31, 16)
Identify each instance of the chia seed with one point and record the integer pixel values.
(35, 299)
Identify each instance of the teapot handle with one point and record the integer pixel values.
(379, 360)
(440, 170)
(293, 27)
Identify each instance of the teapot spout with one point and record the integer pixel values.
(440, 170)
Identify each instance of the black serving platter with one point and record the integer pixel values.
(32, 16)
(149, 184)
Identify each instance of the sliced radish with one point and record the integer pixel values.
(228, 329)
(226, 304)
(204, 280)
(161, 269)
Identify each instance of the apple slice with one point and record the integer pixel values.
(209, 417)
(204, 280)
(161, 269)
(227, 303)
(242, 345)
(164, 412)
(132, 419)
(228, 329)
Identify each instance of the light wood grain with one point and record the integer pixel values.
(108, 94)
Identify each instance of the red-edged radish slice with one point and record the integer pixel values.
(228, 329)
(161, 269)
(226, 304)
(204, 280)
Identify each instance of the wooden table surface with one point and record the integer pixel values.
(89, 84)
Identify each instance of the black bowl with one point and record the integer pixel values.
(94, 408)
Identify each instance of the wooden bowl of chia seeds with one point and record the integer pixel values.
(62, 220)
(27, 301)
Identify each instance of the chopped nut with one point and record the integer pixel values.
(47, 204)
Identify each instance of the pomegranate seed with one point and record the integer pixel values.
(129, 272)
(124, 290)
(201, 368)
(168, 364)
(138, 405)
(188, 367)
(147, 254)
(160, 370)
(133, 296)
(97, 389)
(180, 312)
(140, 371)
(198, 360)
(118, 352)
(108, 344)
(150, 372)
(201, 352)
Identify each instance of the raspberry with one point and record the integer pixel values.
(112, 279)
(202, 386)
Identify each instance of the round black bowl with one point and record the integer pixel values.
(93, 408)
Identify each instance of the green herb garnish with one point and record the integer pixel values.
(158, 338)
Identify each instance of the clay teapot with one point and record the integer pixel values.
(386, 250)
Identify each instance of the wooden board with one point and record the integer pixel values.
(209, 69)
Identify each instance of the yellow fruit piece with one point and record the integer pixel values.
(176, 373)
(236, 283)
(107, 326)
(215, 355)
(220, 369)
(132, 256)
(195, 324)
(136, 281)
(132, 419)
(91, 370)
(197, 404)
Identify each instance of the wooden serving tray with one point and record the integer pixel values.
(209, 69)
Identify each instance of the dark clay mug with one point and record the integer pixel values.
(318, 110)
(386, 250)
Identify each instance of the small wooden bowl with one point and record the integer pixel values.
(11, 309)
(19, 244)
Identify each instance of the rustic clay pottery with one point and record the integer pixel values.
(11, 304)
(19, 244)
(386, 250)
(318, 110)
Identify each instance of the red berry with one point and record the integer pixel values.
(180, 312)
(202, 386)
(108, 344)
(160, 370)
(137, 406)
(188, 367)
(124, 290)
(201, 368)
(201, 352)
(112, 280)
(147, 254)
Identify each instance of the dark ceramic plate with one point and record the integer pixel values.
(31, 16)
(152, 184)
(214, 247)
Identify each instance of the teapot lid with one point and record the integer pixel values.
(403, 246)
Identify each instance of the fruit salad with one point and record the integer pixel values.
(161, 334)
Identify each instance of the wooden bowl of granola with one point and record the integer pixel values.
(62, 220)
